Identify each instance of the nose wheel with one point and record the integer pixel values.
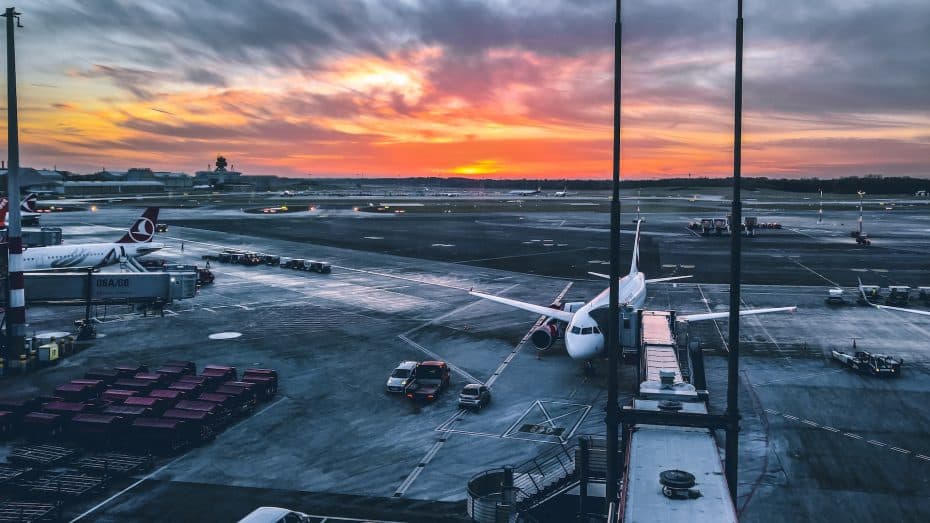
(589, 369)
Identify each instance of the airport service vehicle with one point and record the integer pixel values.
(285, 262)
(136, 242)
(401, 376)
(576, 322)
(430, 378)
(874, 364)
(316, 266)
(867, 293)
(161, 227)
(274, 515)
(835, 297)
(474, 396)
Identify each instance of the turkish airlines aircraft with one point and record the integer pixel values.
(27, 208)
(136, 242)
(583, 337)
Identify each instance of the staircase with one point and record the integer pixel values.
(538, 478)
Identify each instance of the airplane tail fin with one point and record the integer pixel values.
(29, 203)
(4, 204)
(634, 265)
(143, 230)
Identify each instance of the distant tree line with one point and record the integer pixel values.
(871, 184)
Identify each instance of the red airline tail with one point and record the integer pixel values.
(143, 230)
(4, 203)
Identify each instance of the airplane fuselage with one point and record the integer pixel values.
(583, 338)
(83, 255)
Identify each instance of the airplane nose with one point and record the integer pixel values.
(582, 347)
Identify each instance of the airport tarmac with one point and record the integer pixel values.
(333, 443)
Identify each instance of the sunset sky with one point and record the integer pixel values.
(499, 88)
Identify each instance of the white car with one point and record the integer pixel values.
(401, 376)
(275, 515)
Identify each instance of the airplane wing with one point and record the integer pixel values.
(721, 315)
(653, 280)
(537, 309)
(670, 278)
(912, 311)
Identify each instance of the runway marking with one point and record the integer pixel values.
(874, 443)
(436, 357)
(726, 345)
(812, 271)
(454, 311)
(529, 255)
(765, 331)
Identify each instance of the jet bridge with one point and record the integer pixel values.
(102, 288)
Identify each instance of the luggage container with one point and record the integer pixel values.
(268, 373)
(42, 426)
(117, 395)
(108, 376)
(188, 366)
(230, 403)
(128, 370)
(160, 380)
(129, 412)
(98, 386)
(97, 430)
(19, 407)
(66, 409)
(140, 386)
(224, 373)
(188, 388)
(156, 405)
(221, 414)
(171, 396)
(267, 386)
(244, 395)
(160, 435)
(204, 424)
(172, 374)
(206, 382)
(75, 392)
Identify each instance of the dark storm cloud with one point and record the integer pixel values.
(137, 81)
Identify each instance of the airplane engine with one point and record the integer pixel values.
(543, 337)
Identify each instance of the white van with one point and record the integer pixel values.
(274, 515)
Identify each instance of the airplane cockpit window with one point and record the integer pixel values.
(576, 330)
(587, 330)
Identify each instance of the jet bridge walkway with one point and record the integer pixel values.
(101, 288)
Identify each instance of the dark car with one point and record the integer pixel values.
(429, 380)
(474, 396)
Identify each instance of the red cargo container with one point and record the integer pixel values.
(128, 370)
(19, 406)
(67, 409)
(206, 381)
(42, 425)
(188, 366)
(228, 402)
(167, 394)
(117, 395)
(187, 387)
(75, 392)
(171, 373)
(224, 372)
(130, 412)
(245, 396)
(221, 414)
(267, 373)
(267, 387)
(141, 386)
(156, 405)
(160, 436)
(205, 423)
(98, 386)
(160, 380)
(108, 376)
(96, 430)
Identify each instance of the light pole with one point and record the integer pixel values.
(861, 194)
(16, 300)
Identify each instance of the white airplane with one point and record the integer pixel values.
(136, 242)
(889, 307)
(28, 210)
(525, 192)
(560, 194)
(574, 322)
